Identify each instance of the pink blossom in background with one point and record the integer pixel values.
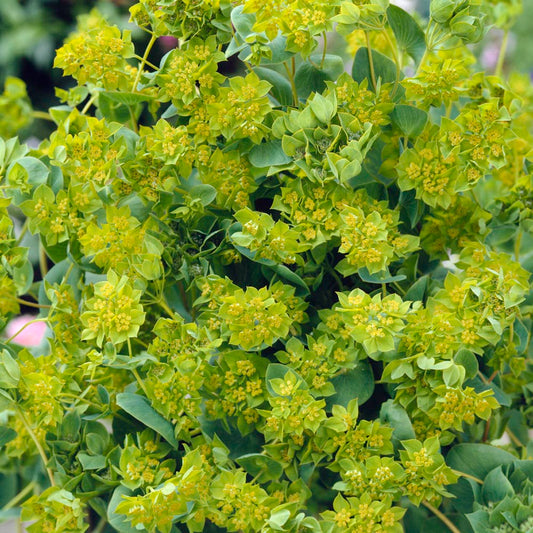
(490, 54)
(168, 42)
(30, 336)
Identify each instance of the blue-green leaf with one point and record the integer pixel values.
(138, 407)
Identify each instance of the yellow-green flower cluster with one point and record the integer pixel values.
(15, 108)
(293, 410)
(432, 175)
(363, 514)
(365, 242)
(236, 388)
(239, 111)
(182, 18)
(230, 174)
(181, 371)
(113, 313)
(141, 464)
(38, 390)
(190, 72)
(449, 230)
(122, 244)
(55, 510)
(88, 153)
(296, 20)
(440, 81)
(319, 361)
(254, 318)
(374, 322)
(268, 239)
(97, 54)
(362, 103)
(52, 215)
(368, 229)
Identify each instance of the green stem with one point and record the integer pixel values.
(23, 231)
(31, 304)
(146, 62)
(89, 103)
(135, 373)
(324, 50)
(134, 125)
(143, 62)
(468, 476)
(399, 288)
(370, 61)
(100, 526)
(166, 307)
(140, 381)
(40, 449)
(397, 61)
(516, 441)
(290, 75)
(43, 260)
(67, 273)
(43, 116)
(445, 520)
(19, 497)
(517, 244)
(501, 56)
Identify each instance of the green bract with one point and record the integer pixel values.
(295, 298)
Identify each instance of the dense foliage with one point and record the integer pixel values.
(296, 299)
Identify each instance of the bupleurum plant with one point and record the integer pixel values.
(294, 298)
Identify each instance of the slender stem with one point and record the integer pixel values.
(482, 377)
(31, 304)
(422, 61)
(370, 61)
(146, 62)
(135, 373)
(89, 104)
(492, 376)
(324, 50)
(25, 326)
(514, 438)
(43, 260)
(43, 116)
(140, 381)
(101, 525)
(23, 231)
(143, 61)
(67, 273)
(445, 520)
(399, 288)
(397, 61)
(40, 449)
(486, 431)
(20, 496)
(468, 476)
(166, 307)
(134, 125)
(517, 244)
(501, 56)
(290, 75)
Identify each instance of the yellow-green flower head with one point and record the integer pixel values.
(372, 321)
(114, 313)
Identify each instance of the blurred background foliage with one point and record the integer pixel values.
(31, 31)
